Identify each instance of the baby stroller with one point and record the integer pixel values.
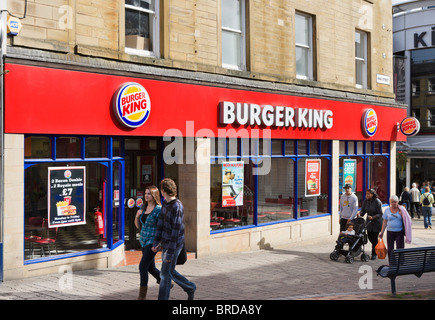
(355, 243)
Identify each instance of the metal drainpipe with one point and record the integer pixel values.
(3, 6)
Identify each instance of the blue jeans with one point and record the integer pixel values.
(147, 264)
(168, 273)
(427, 216)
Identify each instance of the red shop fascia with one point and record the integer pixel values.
(41, 100)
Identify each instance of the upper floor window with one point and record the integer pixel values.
(431, 117)
(361, 59)
(415, 112)
(304, 46)
(142, 27)
(431, 86)
(415, 88)
(233, 34)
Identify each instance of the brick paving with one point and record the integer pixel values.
(295, 272)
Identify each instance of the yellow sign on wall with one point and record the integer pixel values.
(13, 25)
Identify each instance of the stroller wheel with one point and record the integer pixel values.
(365, 257)
(334, 255)
(349, 259)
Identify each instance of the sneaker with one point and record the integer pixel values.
(191, 295)
(430, 227)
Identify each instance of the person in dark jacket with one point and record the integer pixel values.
(405, 199)
(170, 238)
(373, 207)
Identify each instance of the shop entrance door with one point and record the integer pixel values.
(141, 171)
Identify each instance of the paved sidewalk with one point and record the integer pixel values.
(293, 272)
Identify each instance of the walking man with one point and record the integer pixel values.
(170, 237)
(415, 198)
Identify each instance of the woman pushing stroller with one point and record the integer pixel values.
(373, 207)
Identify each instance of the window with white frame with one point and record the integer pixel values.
(304, 46)
(361, 59)
(142, 27)
(233, 34)
(415, 88)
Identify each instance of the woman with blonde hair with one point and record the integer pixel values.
(146, 220)
(397, 222)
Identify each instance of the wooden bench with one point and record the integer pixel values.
(408, 261)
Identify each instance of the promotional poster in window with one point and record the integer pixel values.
(232, 183)
(349, 173)
(312, 177)
(66, 196)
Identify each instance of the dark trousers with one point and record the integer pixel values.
(395, 237)
(415, 206)
(343, 224)
(147, 264)
(373, 238)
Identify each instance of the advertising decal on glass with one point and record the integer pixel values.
(232, 183)
(66, 196)
(349, 173)
(312, 177)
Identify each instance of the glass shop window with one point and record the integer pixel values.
(42, 241)
(96, 147)
(276, 191)
(379, 171)
(313, 205)
(37, 147)
(224, 214)
(68, 147)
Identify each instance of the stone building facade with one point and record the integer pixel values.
(191, 57)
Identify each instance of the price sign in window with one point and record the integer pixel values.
(66, 196)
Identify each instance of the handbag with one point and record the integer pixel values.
(182, 257)
(381, 250)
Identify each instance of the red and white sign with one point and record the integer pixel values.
(410, 126)
(132, 105)
(369, 123)
(274, 116)
(56, 102)
(312, 177)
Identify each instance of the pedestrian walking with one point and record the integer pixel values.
(170, 237)
(373, 207)
(397, 222)
(415, 204)
(348, 207)
(426, 202)
(146, 220)
(405, 199)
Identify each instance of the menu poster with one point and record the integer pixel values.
(349, 172)
(232, 183)
(312, 177)
(66, 196)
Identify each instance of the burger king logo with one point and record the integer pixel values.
(410, 126)
(132, 105)
(67, 174)
(369, 123)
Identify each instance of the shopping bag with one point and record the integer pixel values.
(381, 250)
(182, 257)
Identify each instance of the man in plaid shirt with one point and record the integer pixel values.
(170, 236)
